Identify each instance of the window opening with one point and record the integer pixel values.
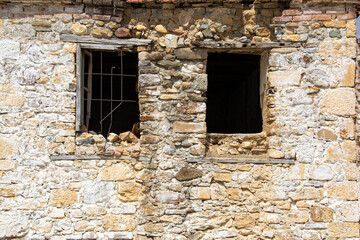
(233, 95)
(110, 96)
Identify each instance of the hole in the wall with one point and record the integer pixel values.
(233, 98)
(111, 93)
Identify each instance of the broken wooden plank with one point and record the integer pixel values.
(103, 41)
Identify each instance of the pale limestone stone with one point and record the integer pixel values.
(97, 192)
(299, 172)
(218, 192)
(63, 198)
(344, 230)
(130, 191)
(343, 190)
(197, 149)
(338, 48)
(271, 194)
(321, 173)
(339, 101)
(285, 78)
(291, 38)
(190, 54)
(11, 99)
(57, 213)
(113, 137)
(83, 226)
(239, 194)
(102, 32)
(296, 216)
(41, 226)
(273, 153)
(118, 223)
(189, 127)
(146, 80)
(351, 28)
(351, 171)
(348, 211)
(160, 29)
(200, 193)
(95, 211)
(270, 217)
(141, 27)
(349, 150)
(223, 176)
(79, 29)
(171, 40)
(117, 172)
(307, 194)
(321, 214)
(6, 165)
(13, 224)
(347, 128)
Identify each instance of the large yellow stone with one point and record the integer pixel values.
(188, 127)
(130, 191)
(117, 172)
(340, 101)
(335, 24)
(307, 194)
(79, 29)
(349, 151)
(244, 220)
(347, 128)
(63, 198)
(296, 216)
(118, 223)
(6, 165)
(11, 99)
(343, 190)
(6, 148)
(102, 32)
(346, 74)
(344, 230)
(223, 176)
(200, 193)
(351, 28)
(321, 214)
(285, 78)
(338, 48)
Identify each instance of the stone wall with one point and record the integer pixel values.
(298, 179)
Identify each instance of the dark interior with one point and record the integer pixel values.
(103, 84)
(233, 98)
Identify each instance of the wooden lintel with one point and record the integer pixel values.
(243, 160)
(105, 42)
(245, 46)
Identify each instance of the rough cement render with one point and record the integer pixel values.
(177, 182)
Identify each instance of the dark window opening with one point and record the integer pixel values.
(233, 95)
(110, 93)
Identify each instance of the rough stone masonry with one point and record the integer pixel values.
(296, 179)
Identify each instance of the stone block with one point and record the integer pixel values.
(285, 78)
(130, 191)
(351, 28)
(97, 192)
(171, 40)
(117, 172)
(347, 128)
(13, 224)
(79, 29)
(160, 29)
(348, 150)
(348, 211)
(223, 176)
(118, 223)
(170, 197)
(307, 194)
(200, 193)
(244, 220)
(83, 226)
(273, 153)
(321, 214)
(346, 73)
(270, 217)
(321, 173)
(11, 99)
(190, 54)
(340, 101)
(102, 32)
(6, 165)
(343, 190)
(271, 194)
(335, 24)
(296, 216)
(146, 80)
(63, 198)
(338, 48)
(344, 230)
(187, 173)
(326, 134)
(153, 227)
(122, 32)
(189, 127)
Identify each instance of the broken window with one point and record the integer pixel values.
(233, 95)
(109, 95)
